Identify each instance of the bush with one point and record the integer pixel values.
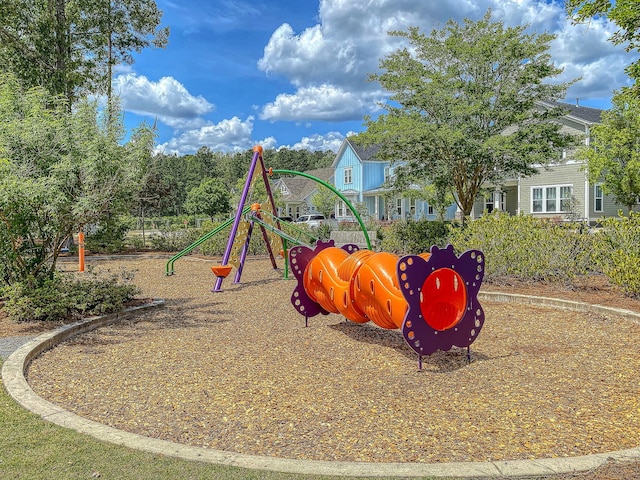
(413, 237)
(618, 247)
(109, 237)
(216, 245)
(174, 239)
(527, 248)
(68, 296)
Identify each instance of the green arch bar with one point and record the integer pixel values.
(333, 189)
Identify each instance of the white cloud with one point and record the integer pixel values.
(328, 63)
(167, 99)
(325, 102)
(329, 141)
(229, 135)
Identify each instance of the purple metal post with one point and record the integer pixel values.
(267, 185)
(257, 153)
(243, 254)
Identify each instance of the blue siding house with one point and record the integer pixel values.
(361, 178)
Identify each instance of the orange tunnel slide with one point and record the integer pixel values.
(430, 299)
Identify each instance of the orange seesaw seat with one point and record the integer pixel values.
(221, 270)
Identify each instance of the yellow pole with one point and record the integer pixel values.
(81, 251)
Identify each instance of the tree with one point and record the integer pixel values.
(626, 15)
(613, 156)
(463, 107)
(60, 170)
(111, 30)
(324, 200)
(211, 197)
(70, 47)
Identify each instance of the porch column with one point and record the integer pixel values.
(375, 207)
(497, 200)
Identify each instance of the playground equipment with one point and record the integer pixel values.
(264, 216)
(432, 297)
(248, 216)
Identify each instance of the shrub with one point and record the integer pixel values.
(217, 244)
(323, 231)
(109, 236)
(413, 237)
(67, 296)
(527, 248)
(618, 247)
(174, 239)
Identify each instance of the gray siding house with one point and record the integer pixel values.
(560, 190)
(297, 192)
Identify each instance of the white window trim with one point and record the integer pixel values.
(348, 175)
(597, 197)
(544, 198)
(488, 202)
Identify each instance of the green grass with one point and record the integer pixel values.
(33, 449)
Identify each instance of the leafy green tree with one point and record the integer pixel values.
(626, 15)
(211, 197)
(613, 156)
(71, 46)
(204, 164)
(60, 170)
(463, 107)
(439, 197)
(112, 30)
(324, 200)
(172, 171)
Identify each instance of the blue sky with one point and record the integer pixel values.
(293, 74)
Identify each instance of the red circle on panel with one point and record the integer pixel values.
(443, 299)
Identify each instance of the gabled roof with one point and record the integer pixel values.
(364, 154)
(587, 115)
(301, 187)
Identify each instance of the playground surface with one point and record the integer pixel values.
(237, 370)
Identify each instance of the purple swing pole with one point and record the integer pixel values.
(257, 153)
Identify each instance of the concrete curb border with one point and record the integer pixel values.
(15, 367)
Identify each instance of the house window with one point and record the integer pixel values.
(348, 175)
(598, 198)
(551, 199)
(283, 189)
(565, 198)
(488, 203)
(399, 207)
(412, 206)
(430, 210)
(387, 174)
(342, 209)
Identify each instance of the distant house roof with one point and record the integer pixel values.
(587, 115)
(364, 153)
(301, 187)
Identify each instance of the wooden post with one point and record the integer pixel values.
(81, 252)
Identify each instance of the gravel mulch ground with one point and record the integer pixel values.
(237, 370)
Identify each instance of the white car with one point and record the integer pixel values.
(314, 220)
